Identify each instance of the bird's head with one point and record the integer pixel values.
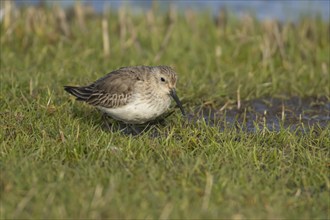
(165, 78)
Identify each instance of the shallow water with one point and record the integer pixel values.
(271, 113)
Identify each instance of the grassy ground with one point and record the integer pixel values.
(58, 162)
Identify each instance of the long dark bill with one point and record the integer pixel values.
(177, 100)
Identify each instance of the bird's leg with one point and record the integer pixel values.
(106, 121)
(135, 131)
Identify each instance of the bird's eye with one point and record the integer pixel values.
(162, 79)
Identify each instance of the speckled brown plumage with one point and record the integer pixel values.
(132, 87)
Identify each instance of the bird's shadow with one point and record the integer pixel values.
(151, 127)
(96, 118)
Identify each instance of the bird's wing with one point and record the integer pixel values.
(115, 89)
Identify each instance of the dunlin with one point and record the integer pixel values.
(133, 95)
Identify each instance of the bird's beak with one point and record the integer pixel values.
(177, 100)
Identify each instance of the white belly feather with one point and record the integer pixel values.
(139, 111)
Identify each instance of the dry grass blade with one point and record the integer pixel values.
(105, 37)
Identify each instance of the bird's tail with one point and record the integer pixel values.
(81, 93)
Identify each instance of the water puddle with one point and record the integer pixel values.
(271, 113)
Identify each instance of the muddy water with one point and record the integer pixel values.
(271, 113)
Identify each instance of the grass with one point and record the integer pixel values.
(57, 161)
